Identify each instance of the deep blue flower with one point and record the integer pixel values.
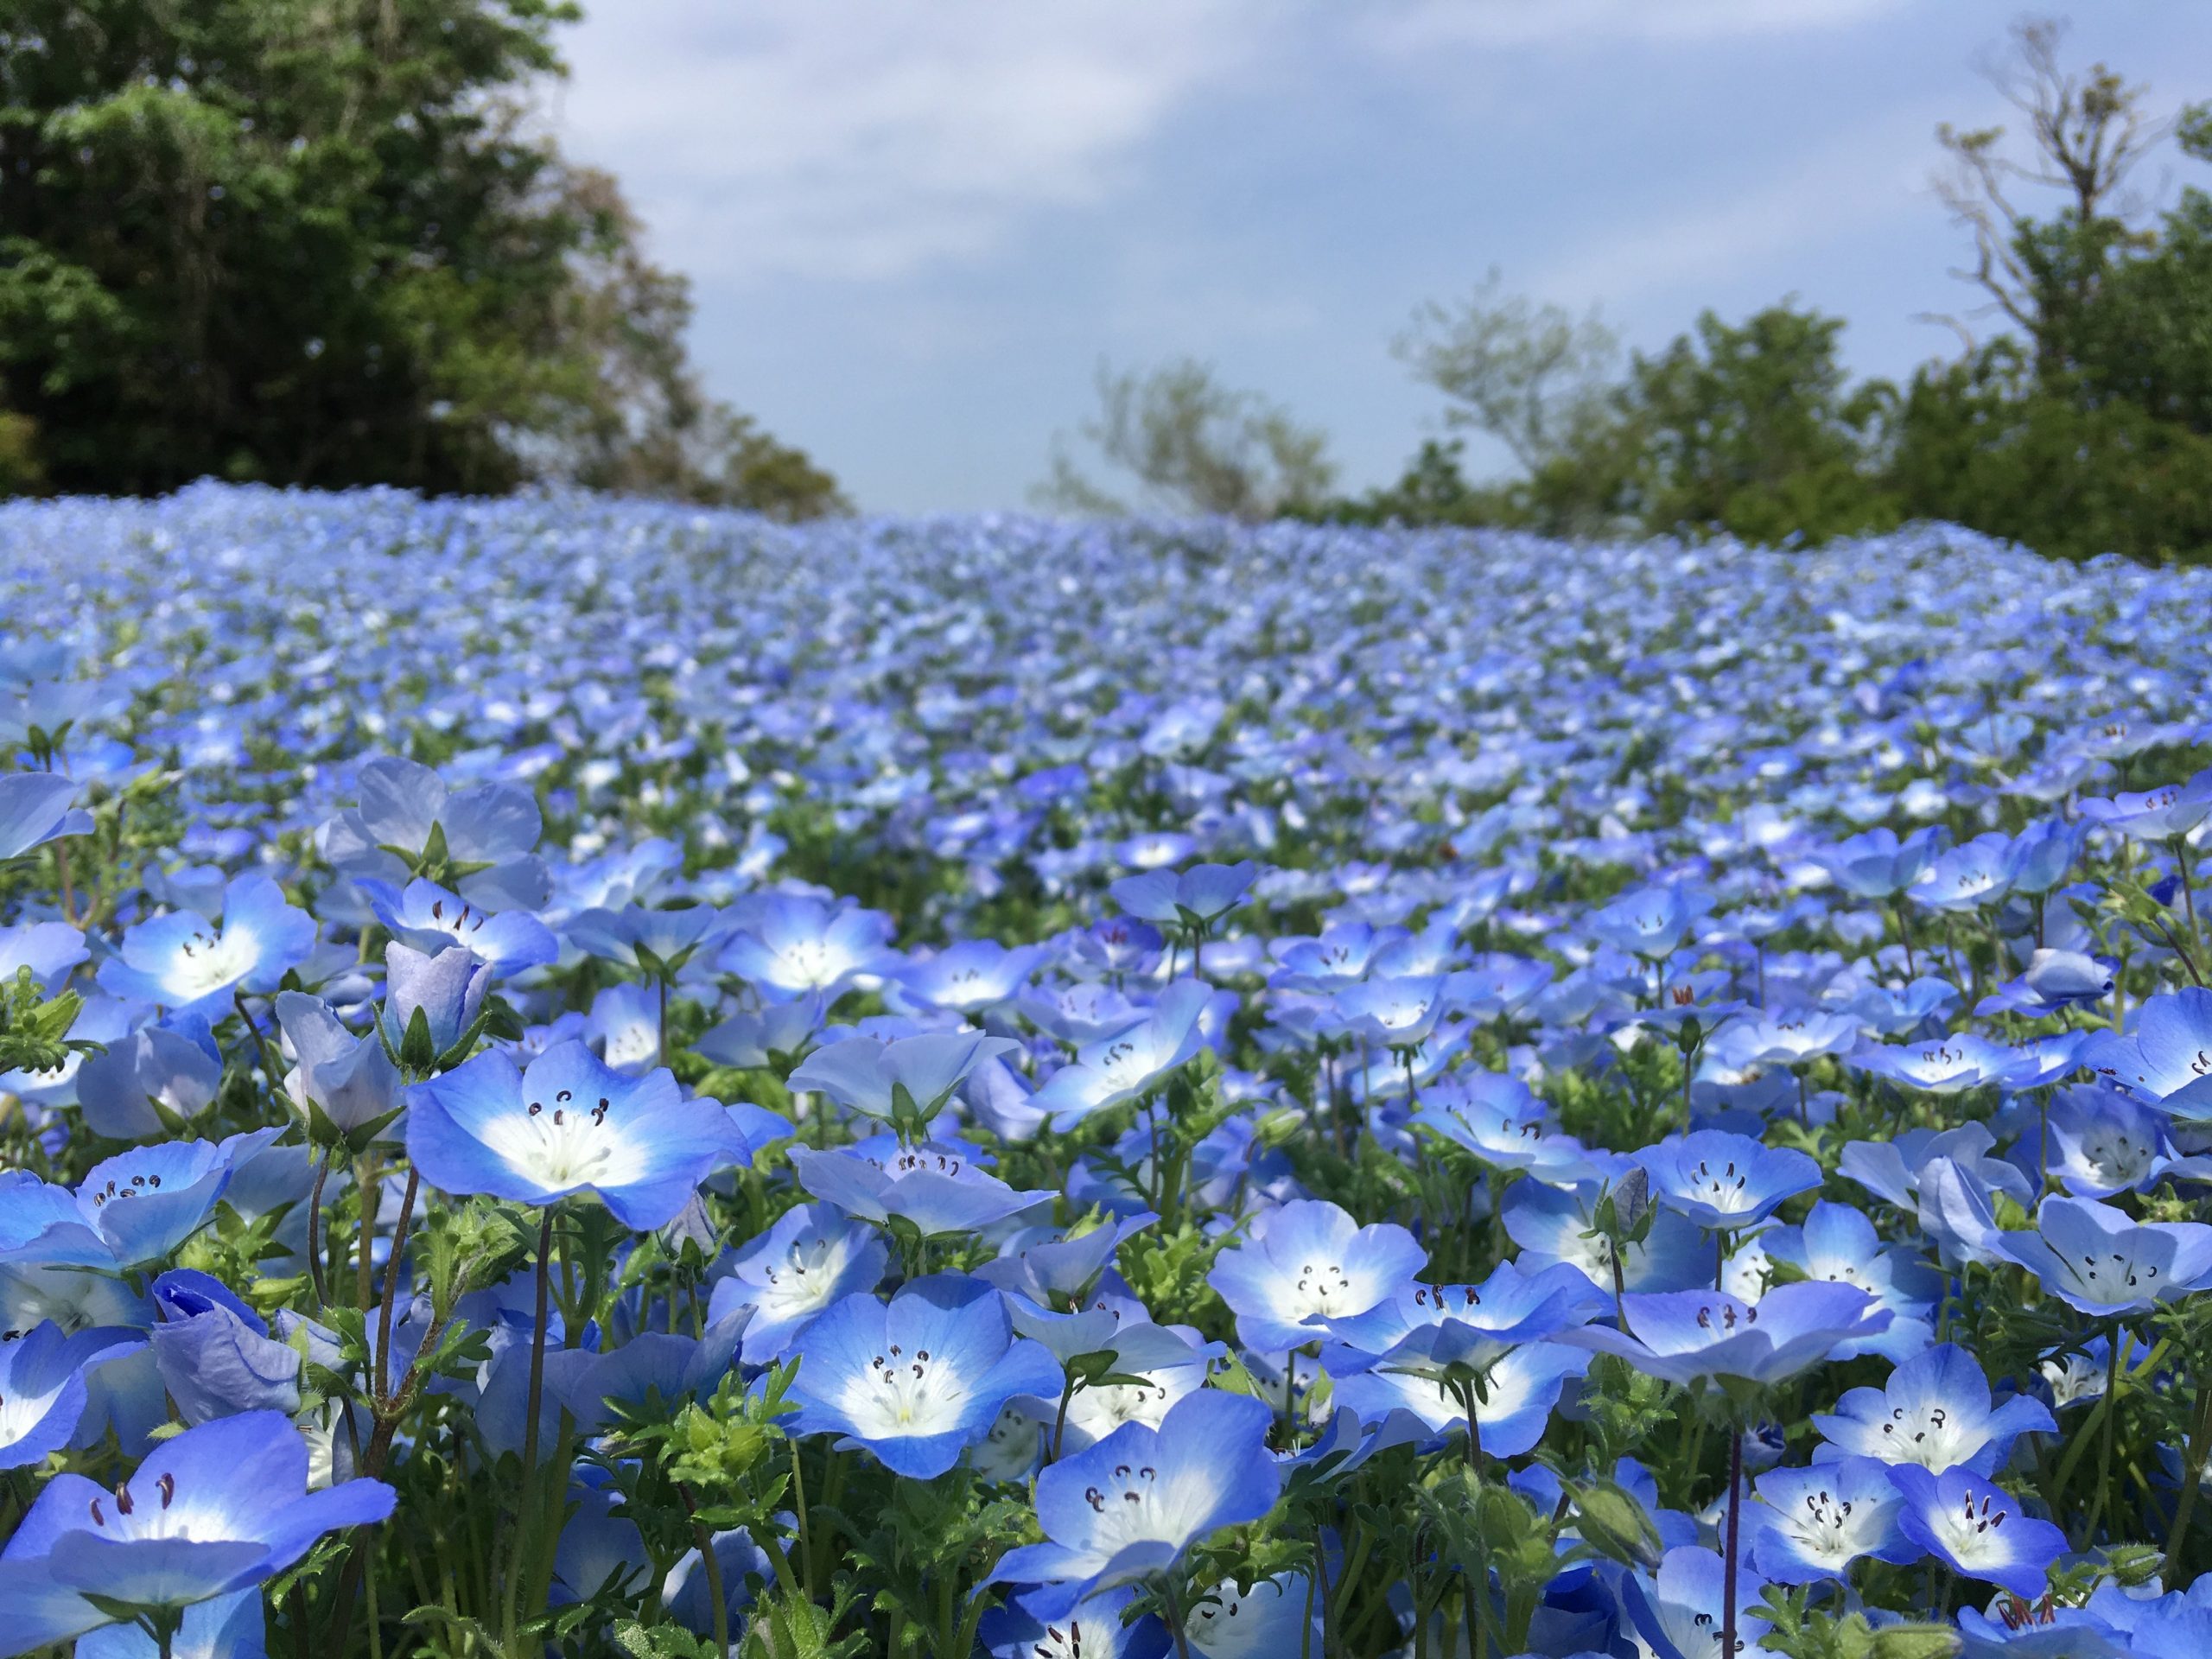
(920, 1379)
(1976, 1529)
(215, 1354)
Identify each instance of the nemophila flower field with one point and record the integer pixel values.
(589, 1078)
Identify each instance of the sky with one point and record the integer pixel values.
(915, 228)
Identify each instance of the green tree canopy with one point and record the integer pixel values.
(323, 242)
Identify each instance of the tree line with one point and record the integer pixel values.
(327, 243)
(2076, 418)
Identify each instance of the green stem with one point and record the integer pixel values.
(2192, 1476)
(538, 1345)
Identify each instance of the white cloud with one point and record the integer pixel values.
(1430, 24)
(862, 138)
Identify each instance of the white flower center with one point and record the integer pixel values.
(207, 963)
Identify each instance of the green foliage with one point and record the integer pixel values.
(323, 242)
(1193, 445)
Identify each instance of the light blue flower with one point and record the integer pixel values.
(42, 1387)
(787, 946)
(940, 1187)
(1687, 1335)
(1813, 1523)
(1133, 1062)
(1678, 1611)
(2097, 1259)
(1520, 1389)
(1558, 1223)
(1839, 1244)
(1128, 1509)
(431, 918)
(1020, 1630)
(215, 1354)
(36, 807)
(870, 1078)
(1305, 1264)
(153, 1079)
(1935, 1411)
(970, 976)
(919, 1381)
(812, 1258)
(1726, 1182)
(569, 1124)
(185, 963)
(216, 1509)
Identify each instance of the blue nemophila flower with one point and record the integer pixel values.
(2077, 1375)
(216, 1509)
(1053, 1269)
(1976, 1529)
(1495, 1117)
(1933, 1411)
(155, 1077)
(1276, 1615)
(447, 988)
(1723, 1181)
(214, 1353)
(1196, 898)
(1686, 1335)
(228, 1627)
(653, 941)
(970, 976)
(870, 1077)
(1896, 1168)
(1340, 956)
(1558, 1223)
(143, 1203)
(338, 1080)
(2052, 982)
(1813, 1523)
(939, 1187)
(1390, 1013)
(812, 1258)
(1947, 1064)
(787, 946)
(1784, 1037)
(2154, 814)
(1430, 1328)
(569, 1124)
(1650, 922)
(1129, 1508)
(2165, 1058)
(429, 918)
(487, 831)
(1877, 864)
(2102, 1262)
(36, 807)
(1972, 874)
(186, 963)
(1307, 1263)
(1131, 1063)
(2103, 1142)
(1678, 1611)
(42, 1389)
(1021, 1629)
(919, 1380)
(1518, 1392)
(1839, 1244)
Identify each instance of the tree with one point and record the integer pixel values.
(2088, 133)
(1193, 445)
(312, 242)
(1755, 429)
(1533, 377)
